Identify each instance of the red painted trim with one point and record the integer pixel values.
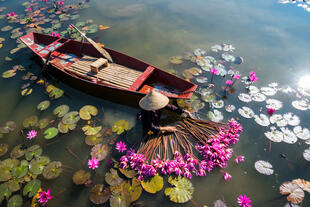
(141, 78)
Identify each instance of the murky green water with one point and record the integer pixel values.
(272, 38)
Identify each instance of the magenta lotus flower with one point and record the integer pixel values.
(270, 111)
(228, 82)
(121, 146)
(244, 201)
(253, 78)
(93, 163)
(236, 77)
(57, 35)
(44, 196)
(239, 159)
(12, 14)
(214, 71)
(53, 34)
(60, 2)
(32, 134)
(252, 73)
(226, 176)
(29, 9)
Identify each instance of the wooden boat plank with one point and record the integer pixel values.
(114, 81)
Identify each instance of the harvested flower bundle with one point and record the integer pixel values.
(198, 146)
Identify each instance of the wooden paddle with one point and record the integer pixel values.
(100, 49)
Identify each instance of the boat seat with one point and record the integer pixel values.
(113, 74)
(52, 47)
(140, 80)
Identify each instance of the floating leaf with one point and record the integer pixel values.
(56, 93)
(33, 151)
(120, 126)
(112, 178)
(50, 133)
(71, 118)
(128, 173)
(21, 170)
(93, 140)
(99, 195)
(301, 105)
(118, 200)
(4, 191)
(50, 87)
(215, 115)
(32, 188)
(302, 133)
(291, 119)
(99, 151)
(273, 103)
(303, 184)
(268, 91)
(230, 108)
(219, 203)
(153, 185)
(87, 111)
(275, 135)
(64, 128)
(218, 104)
(296, 194)
(262, 120)
(246, 112)
(9, 73)
(306, 154)
(52, 170)
(258, 97)
(9, 126)
(202, 79)
(43, 123)
(5, 168)
(134, 190)
(15, 201)
(61, 110)
(6, 28)
(3, 149)
(37, 164)
(244, 97)
(80, 177)
(89, 130)
(288, 136)
(176, 60)
(17, 152)
(263, 167)
(30, 121)
(14, 184)
(181, 192)
(43, 105)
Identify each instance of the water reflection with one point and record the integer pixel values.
(304, 82)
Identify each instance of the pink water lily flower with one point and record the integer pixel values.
(226, 176)
(57, 35)
(228, 82)
(244, 201)
(121, 146)
(213, 71)
(12, 14)
(270, 111)
(44, 196)
(239, 159)
(53, 34)
(32, 134)
(93, 163)
(29, 9)
(236, 77)
(60, 2)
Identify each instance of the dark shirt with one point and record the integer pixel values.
(150, 119)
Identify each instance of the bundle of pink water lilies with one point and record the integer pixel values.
(215, 153)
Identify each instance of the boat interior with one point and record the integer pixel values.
(126, 72)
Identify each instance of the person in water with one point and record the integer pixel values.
(152, 105)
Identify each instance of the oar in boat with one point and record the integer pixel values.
(100, 49)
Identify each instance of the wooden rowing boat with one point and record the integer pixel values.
(72, 60)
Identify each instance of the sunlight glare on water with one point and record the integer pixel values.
(304, 82)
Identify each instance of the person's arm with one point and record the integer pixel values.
(178, 110)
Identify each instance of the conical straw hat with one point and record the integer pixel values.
(153, 101)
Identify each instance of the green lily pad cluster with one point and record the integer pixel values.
(54, 92)
(120, 126)
(21, 175)
(8, 127)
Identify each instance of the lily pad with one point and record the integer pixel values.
(244, 97)
(306, 154)
(87, 111)
(301, 105)
(3, 149)
(30, 121)
(303, 184)
(43, 123)
(14, 184)
(128, 173)
(258, 97)
(218, 104)
(17, 152)
(181, 192)
(99, 151)
(295, 193)
(288, 136)
(37, 164)
(52, 170)
(6, 28)
(15, 201)
(64, 128)
(32, 188)
(120, 126)
(9, 73)
(112, 178)
(89, 130)
(50, 133)
(61, 110)
(4, 192)
(71, 118)
(43, 105)
(134, 190)
(275, 135)
(262, 120)
(215, 115)
(9, 126)
(21, 170)
(263, 167)
(118, 200)
(56, 93)
(246, 112)
(153, 185)
(80, 177)
(273, 103)
(33, 151)
(99, 195)
(176, 60)
(93, 140)
(5, 168)
(219, 203)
